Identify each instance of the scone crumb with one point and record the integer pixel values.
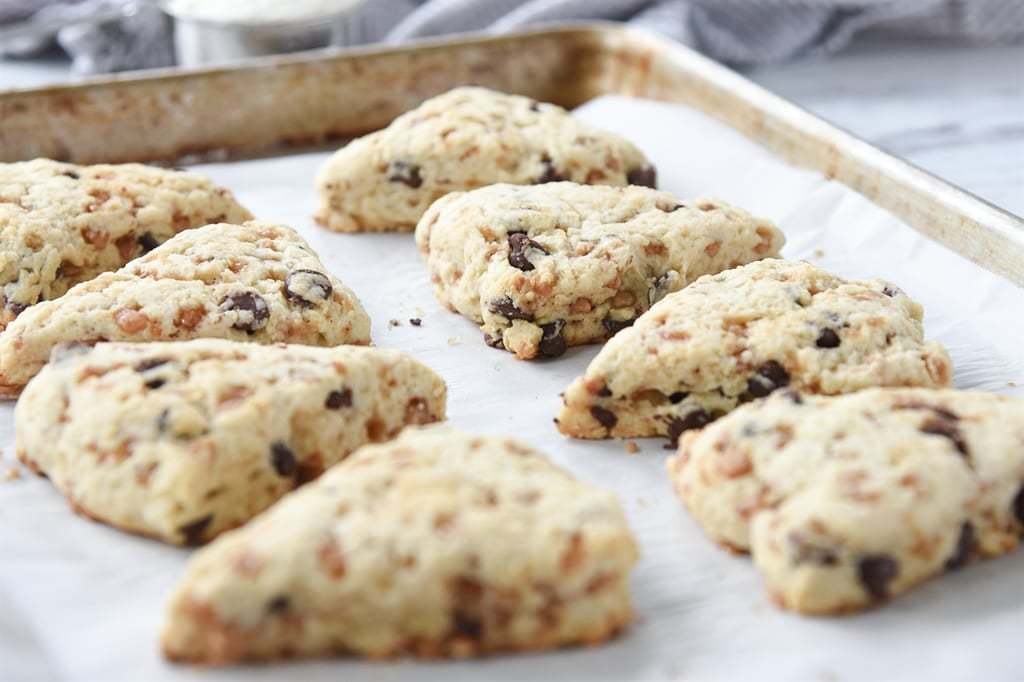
(12, 474)
(452, 341)
(415, 321)
(641, 500)
(819, 253)
(632, 448)
(1011, 384)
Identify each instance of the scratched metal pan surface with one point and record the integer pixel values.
(280, 104)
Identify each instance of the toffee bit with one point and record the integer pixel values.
(12, 474)
(632, 448)
(394, 323)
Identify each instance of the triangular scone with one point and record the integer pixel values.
(61, 224)
(182, 441)
(466, 138)
(739, 335)
(255, 282)
(437, 544)
(546, 267)
(846, 501)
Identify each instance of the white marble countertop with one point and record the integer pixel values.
(957, 111)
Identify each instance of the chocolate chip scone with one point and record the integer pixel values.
(466, 138)
(846, 501)
(254, 282)
(739, 335)
(437, 544)
(182, 441)
(562, 264)
(61, 224)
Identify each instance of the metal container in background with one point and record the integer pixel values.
(199, 40)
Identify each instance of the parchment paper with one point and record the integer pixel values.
(81, 601)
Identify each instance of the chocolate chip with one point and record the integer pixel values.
(889, 291)
(278, 604)
(535, 106)
(148, 242)
(465, 626)
(283, 459)
(339, 399)
(162, 418)
(71, 174)
(615, 326)
(16, 308)
(644, 175)
(809, 552)
(939, 426)
(964, 548)
(150, 363)
(494, 341)
(605, 418)
(604, 391)
(154, 384)
(827, 339)
(944, 413)
(415, 321)
(770, 376)
(694, 419)
(253, 310)
(519, 244)
(549, 174)
(308, 288)
(792, 396)
(505, 306)
(875, 573)
(194, 530)
(678, 397)
(406, 173)
(673, 208)
(1018, 506)
(660, 287)
(552, 343)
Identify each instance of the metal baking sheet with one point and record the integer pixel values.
(278, 104)
(81, 601)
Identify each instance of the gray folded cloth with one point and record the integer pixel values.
(741, 32)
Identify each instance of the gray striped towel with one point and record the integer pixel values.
(740, 32)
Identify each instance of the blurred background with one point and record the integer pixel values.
(940, 82)
(114, 35)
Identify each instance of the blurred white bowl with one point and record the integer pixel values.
(214, 32)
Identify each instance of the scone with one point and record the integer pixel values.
(254, 282)
(182, 441)
(846, 501)
(61, 224)
(437, 544)
(550, 266)
(466, 138)
(730, 338)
